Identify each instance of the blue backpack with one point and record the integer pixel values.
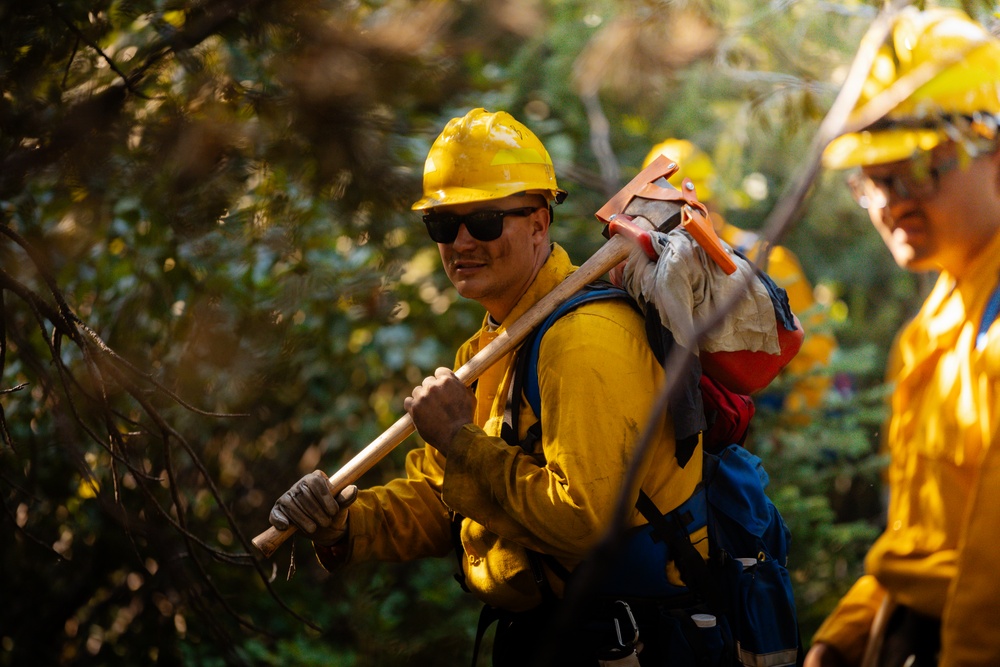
(744, 583)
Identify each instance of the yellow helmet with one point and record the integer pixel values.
(693, 163)
(484, 156)
(963, 92)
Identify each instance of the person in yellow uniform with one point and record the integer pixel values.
(521, 513)
(818, 347)
(928, 172)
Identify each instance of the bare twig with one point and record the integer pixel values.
(105, 367)
(98, 112)
(127, 80)
(71, 325)
(3, 365)
(600, 143)
(69, 62)
(835, 123)
(169, 432)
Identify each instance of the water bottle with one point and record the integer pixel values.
(711, 632)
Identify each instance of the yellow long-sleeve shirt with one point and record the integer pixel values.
(598, 379)
(938, 552)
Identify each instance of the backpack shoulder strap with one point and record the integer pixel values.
(672, 528)
(526, 381)
(598, 291)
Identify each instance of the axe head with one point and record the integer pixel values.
(664, 215)
(649, 195)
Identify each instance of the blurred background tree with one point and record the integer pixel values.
(211, 284)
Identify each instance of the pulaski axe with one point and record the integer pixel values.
(649, 196)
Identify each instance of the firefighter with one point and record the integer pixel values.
(811, 382)
(928, 173)
(522, 516)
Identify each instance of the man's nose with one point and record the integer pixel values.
(463, 238)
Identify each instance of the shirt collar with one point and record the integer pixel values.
(983, 275)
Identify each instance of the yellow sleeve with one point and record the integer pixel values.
(598, 379)
(404, 519)
(848, 627)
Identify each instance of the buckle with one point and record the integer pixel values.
(622, 616)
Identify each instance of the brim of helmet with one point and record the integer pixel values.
(859, 149)
(453, 196)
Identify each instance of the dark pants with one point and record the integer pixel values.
(553, 636)
(910, 636)
(531, 638)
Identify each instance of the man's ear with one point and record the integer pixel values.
(541, 219)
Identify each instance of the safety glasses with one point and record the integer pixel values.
(481, 225)
(917, 180)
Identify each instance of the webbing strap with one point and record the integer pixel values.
(487, 617)
(694, 570)
(456, 542)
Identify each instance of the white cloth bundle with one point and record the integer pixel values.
(686, 287)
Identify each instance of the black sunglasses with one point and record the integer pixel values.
(482, 225)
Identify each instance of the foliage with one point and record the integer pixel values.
(825, 480)
(210, 284)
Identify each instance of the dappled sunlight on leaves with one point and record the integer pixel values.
(637, 53)
(212, 283)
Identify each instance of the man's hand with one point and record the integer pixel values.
(440, 407)
(312, 508)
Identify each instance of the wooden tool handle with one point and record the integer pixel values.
(610, 254)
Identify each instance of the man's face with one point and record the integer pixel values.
(934, 212)
(497, 273)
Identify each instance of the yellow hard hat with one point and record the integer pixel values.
(484, 156)
(963, 91)
(693, 163)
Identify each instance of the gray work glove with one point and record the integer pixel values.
(311, 507)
